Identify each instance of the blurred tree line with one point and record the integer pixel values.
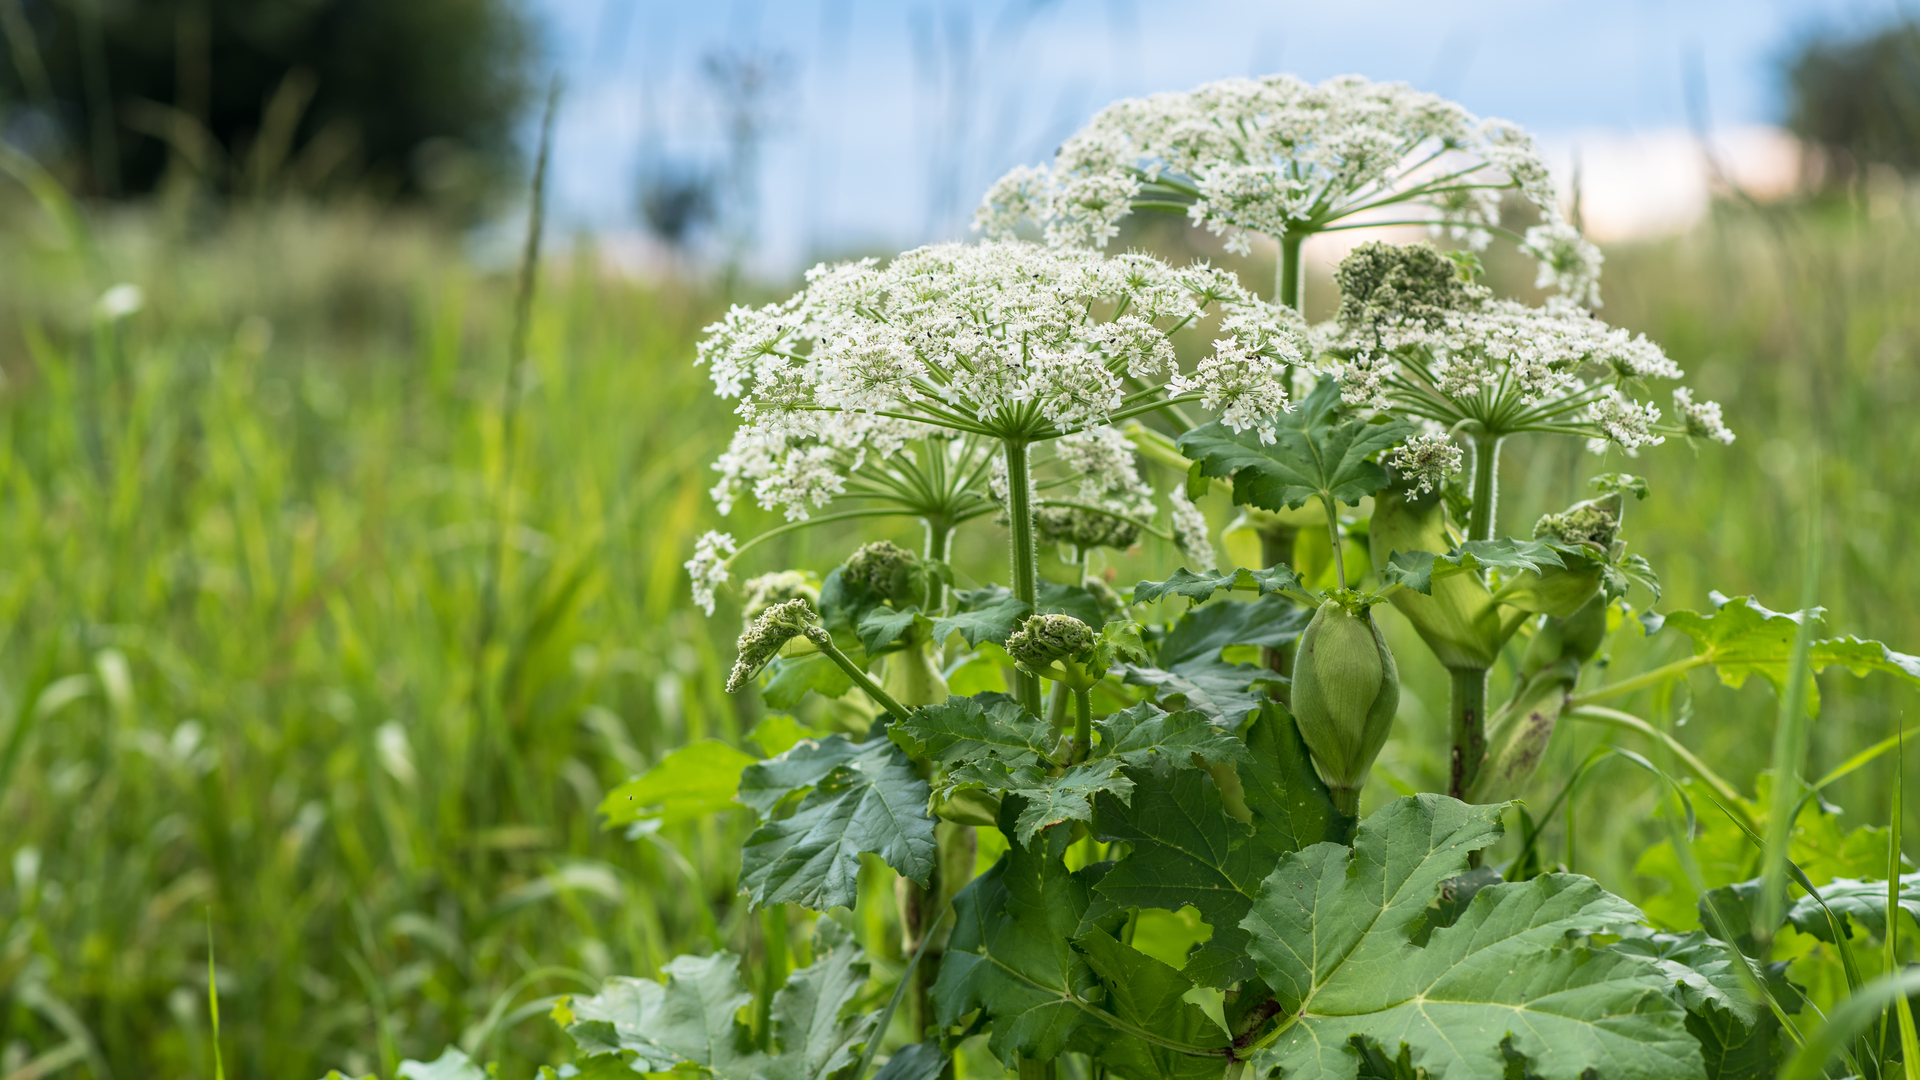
(403, 97)
(1857, 98)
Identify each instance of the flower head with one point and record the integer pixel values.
(1701, 419)
(1427, 460)
(1190, 532)
(1043, 640)
(708, 567)
(767, 590)
(1275, 156)
(763, 638)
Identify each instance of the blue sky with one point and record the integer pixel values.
(891, 116)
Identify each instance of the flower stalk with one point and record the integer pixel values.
(1024, 568)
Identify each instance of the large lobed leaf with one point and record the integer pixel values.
(1333, 932)
(692, 1019)
(1741, 638)
(1200, 587)
(852, 799)
(1315, 453)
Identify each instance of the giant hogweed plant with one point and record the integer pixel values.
(1119, 749)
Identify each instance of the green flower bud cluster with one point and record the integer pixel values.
(888, 572)
(1346, 690)
(1058, 647)
(763, 639)
(1596, 521)
(1083, 528)
(1381, 282)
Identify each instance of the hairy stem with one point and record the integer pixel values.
(824, 642)
(1486, 485)
(1641, 681)
(939, 549)
(1288, 288)
(1467, 712)
(1082, 723)
(1333, 534)
(1276, 549)
(1025, 571)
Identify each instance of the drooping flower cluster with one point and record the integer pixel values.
(1414, 337)
(1277, 156)
(1427, 460)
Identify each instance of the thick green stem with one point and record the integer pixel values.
(1025, 569)
(1288, 286)
(1276, 549)
(1467, 711)
(824, 642)
(773, 939)
(939, 549)
(1333, 535)
(1486, 487)
(1082, 723)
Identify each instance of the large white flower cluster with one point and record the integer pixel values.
(1007, 340)
(1413, 338)
(1277, 155)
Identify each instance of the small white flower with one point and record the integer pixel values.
(1190, 532)
(1623, 422)
(1428, 459)
(1568, 262)
(708, 567)
(120, 301)
(1701, 419)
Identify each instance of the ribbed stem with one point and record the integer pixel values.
(1486, 487)
(1287, 289)
(939, 549)
(1025, 568)
(1082, 724)
(1276, 549)
(1467, 711)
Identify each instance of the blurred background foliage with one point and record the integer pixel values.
(298, 654)
(124, 97)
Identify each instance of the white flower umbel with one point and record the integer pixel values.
(1283, 158)
(1701, 420)
(1008, 343)
(708, 567)
(1427, 460)
(1415, 338)
(1190, 532)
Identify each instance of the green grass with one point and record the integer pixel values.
(247, 538)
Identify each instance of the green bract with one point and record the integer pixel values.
(1345, 693)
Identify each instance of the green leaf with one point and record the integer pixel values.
(815, 1036)
(777, 733)
(865, 798)
(1187, 850)
(1418, 570)
(1701, 972)
(693, 1018)
(450, 1065)
(920, 1061)
(1150, 996)
(789, 679)
(1741, 638)
(1608, 483)
(1201, 587)
(1315, 453)
(693, 782)
(1284, 794)
(1058, 599)
(690, 1020)
(1044, 800)
(1225, 692)
(1733, 1050)
(1860, 903)
(881, 626)
(968, 729)
(1138, 735)
(1333, 934)
(1010, 953)
(1203, 632)
(988, 614)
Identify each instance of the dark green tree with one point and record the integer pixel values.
(1858, 98)
(411, 96)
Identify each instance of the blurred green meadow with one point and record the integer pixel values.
(317, 649)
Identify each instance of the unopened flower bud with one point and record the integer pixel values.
(1084, 528)
(1059, 647)
(1346, 690)
(888, 572)
(762, 640)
